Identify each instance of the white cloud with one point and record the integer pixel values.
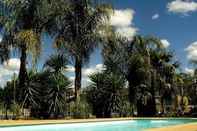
(72, 78)
(8, 69)
(127, 32)
(155, 16)
(1, 37)
(192, 51)
(165, 43)
(86, 81)
(189, 71)
(100, 67)
(70, 68)
(122, 20)
(12, 64)
(182, 7)
(86, 72)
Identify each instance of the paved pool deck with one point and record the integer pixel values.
(183, 127)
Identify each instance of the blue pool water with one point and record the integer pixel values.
(132, 125)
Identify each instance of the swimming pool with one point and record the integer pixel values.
(131, 125)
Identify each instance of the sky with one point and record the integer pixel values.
(173, 21)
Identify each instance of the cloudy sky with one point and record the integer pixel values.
(173, 21)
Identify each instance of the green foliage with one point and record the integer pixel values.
(142, 61)
(44, 92)
(1, 94)
(79, 32)
(77, 27)
(16, 110)
(56, 63)
(21, 22)
(80, 109)
(105, 93)
(56, 94)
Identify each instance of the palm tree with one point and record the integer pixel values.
(57, 91)
(19, 18)
(30, 93)
(79, 31)
(144, 99)
(56, 63)
(133, 60)
(57, 94)
(45, 92)
(164, 69)
(23, 23)
(105, 93)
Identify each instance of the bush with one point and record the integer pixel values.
(80, 110)
(126, 109)
(16, 109)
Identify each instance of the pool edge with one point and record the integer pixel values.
(14, 123)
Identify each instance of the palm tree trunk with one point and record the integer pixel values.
(6, 113)
(162, 105)
(78, 72)
(23, 70)
(153, 87)
(131, 91)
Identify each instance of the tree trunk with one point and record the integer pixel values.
(6, 113)
(153, 104)
(22, 72)
(78, 72)
(162, 105)
(140, 108)
(153, 87)
(131, 92)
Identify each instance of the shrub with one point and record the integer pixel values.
(80, 109)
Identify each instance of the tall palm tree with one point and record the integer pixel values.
(23, 22)
(78, 32)
(164, 68)
(18, 24)
(19, 21)
(133, 60)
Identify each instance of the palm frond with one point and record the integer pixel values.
(56, 62)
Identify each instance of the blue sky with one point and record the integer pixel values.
(173, 21)
(178, 28)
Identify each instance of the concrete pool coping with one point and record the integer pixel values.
(183, 127)
(11, 123)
